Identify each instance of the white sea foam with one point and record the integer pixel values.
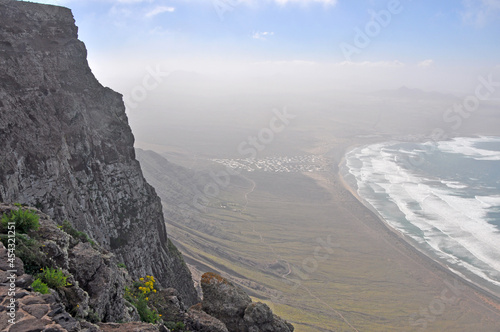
(467, 146)
(454, 184)
(453, 225)
(489, 201)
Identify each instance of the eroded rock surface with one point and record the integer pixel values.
(97, 284)
(66, 146)
(231, 305)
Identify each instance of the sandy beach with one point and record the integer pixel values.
(481, 286)
(473, 292)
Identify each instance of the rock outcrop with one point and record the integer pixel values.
(67, 149)
(97, 289)
(232, 306)
(97, 284)
(198, 320)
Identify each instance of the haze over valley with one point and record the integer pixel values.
(337, 160)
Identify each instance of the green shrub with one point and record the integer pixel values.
(138, 296)
(40, 287)
(121, 265)
(29, 250)
(54, 278)
(25, 220)
(147, 315)
(77, 235)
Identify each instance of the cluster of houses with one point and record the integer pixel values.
(307, 163)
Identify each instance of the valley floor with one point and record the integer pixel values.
(303, 243)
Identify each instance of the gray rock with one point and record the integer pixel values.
(258, 314)
(224, 301)
(37, 310)
(29, 325)
(67, 322)
(102, 280)
(231, 305)
(198, 320)
(24, 281)
(169, 305)
(128, 327)
(89, 327)
(66, 146)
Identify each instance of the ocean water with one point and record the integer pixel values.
(443, 195)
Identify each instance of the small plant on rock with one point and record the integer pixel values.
(40, 287)
(77, 235)
(18, 223)
(25, 220)
(138, 296)
(54, 278)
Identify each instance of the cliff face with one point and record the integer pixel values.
(66, 146)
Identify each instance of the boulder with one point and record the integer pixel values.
(97, 273)
(169, 304)
(128, 327)
(198, 320)
(225, 301)
(258, 314)
(232, 306)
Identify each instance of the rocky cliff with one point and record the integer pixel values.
(66, 146)
(97, 294)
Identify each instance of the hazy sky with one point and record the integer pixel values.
(430, 44)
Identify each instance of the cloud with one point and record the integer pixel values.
(132, 1)
(65, 2)
(262, 35)
(287, 62)
(305, 2)
(120, 13)
(395, 63)
(480, 12)
(161, 31)
(426, 63)
(159, 10)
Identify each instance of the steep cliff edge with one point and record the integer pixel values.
(54, 278)
(66, 146)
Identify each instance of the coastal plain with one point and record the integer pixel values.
(303, 243)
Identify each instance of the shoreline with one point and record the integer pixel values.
(409, 243)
